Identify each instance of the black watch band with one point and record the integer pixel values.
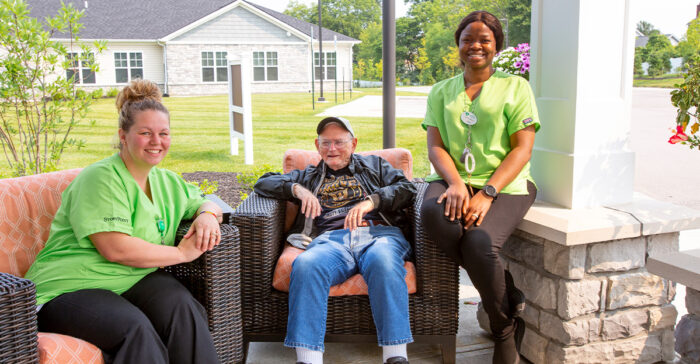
(490, 191)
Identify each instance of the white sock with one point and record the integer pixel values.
(391, 351)
(309, 356)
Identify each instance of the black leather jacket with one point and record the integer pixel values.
(375, 175)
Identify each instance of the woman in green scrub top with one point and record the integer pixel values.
(97, 278)
(481, 127)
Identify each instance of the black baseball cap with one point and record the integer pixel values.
(335, 119)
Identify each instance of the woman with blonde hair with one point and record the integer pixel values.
(97, 278)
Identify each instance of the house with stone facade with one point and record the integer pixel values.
(183, 45)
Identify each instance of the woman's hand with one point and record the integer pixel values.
(206, 231)
(456, 199)
(188, 248)
(478, 208)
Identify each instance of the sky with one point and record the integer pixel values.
(670, 16)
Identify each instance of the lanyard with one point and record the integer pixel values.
(469, 119)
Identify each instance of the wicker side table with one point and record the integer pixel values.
(18, 330)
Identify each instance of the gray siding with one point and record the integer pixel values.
(237, 26)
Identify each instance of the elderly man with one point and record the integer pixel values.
(351, 206)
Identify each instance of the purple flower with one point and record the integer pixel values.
(517, 64)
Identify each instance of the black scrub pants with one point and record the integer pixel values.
(477, 249)
(155, 321)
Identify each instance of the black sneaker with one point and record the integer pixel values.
(301, 362)
(516, 297)
(396, 360)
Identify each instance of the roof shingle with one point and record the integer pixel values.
(153, 19)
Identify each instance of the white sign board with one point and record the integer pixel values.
(240, 112)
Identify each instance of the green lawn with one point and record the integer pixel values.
(200, 137)
(658, 82)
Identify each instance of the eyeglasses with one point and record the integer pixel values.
(326, 144)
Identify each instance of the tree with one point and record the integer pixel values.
(371, 46)
(422, 64)
(645, 28)
(347, 17)
(690, 45)
(518, 13)
(37, 109)
(657, 53)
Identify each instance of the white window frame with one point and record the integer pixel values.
(270, 60)
(131, 65)
(81, 67)
(326, 66)
(219, 62)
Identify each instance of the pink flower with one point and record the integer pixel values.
(680, 136)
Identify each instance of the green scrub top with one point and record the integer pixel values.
(105, 197)
(505, 105)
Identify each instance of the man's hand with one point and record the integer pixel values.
(310, 206)
(355, 215)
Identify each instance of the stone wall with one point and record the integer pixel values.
(688, 329)
(593, 303)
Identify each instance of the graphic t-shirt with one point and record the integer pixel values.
(339, 193)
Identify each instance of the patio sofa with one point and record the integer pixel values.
(266, 264)
(28, 206)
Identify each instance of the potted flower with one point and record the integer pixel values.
(686, 97)
(514, 60)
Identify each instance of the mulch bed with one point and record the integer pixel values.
(229, 190)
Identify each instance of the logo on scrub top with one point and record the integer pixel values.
(527, 121)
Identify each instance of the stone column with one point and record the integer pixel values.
(688, 330)
(593, 303)
(582, 58)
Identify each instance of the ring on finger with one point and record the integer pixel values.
(476, 216)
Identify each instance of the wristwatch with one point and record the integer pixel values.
(490, 191)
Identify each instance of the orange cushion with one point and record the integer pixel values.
(28, 207)
(398, 157)
(354, 286)
(63, 349)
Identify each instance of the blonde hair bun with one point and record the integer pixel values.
(138, 90)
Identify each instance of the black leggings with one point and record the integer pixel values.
(155, 321)
(477, 248)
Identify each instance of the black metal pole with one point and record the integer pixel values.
(389, 72)
(320, 51)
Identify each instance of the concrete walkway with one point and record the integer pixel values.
(473, 344)
(663, 171)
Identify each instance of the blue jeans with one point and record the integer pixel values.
(376, 252)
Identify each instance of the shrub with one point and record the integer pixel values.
(515, 61)
(686, 97)
(112, 92)
(247, 180)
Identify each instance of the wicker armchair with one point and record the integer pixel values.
(434, 311)
(213, 278)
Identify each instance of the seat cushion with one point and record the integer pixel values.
(398, 157)
(28, 207)
(63, 349)
(354, 286)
